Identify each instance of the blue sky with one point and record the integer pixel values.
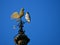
(44, 28)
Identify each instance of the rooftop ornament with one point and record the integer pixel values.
(21, 38)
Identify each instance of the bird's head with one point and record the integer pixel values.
(27, 12)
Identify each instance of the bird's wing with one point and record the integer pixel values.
(15, 15)
(27, 17)
(21, 12)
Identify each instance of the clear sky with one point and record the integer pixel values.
(44, 28)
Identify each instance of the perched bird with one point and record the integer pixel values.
(27, 17)
(17, 15)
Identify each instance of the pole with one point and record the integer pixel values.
(21, 38)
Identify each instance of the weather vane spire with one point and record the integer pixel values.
(21, 38)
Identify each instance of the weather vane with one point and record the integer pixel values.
(21, 38)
